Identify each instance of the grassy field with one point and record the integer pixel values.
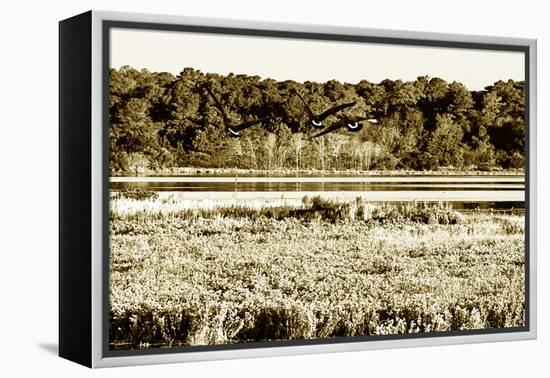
(229, 274)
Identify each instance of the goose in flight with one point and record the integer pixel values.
(232, 129)
(351, 124)
(316, 120)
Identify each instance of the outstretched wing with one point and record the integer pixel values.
(334, 109)
(309, 111)
(217, 102)
(247, 124)
(331, 128)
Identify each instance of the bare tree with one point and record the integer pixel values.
(270, 147)
(281, 150)
(297, 144)
(366, 152)
(336, 142)
(320, 146)
(252, 153)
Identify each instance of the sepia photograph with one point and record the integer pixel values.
(277, 190)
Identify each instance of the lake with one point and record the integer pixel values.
(466, 191)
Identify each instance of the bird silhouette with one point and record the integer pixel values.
(316, 120)
(233, 130)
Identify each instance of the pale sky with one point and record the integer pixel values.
(309, 60)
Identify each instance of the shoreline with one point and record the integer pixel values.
(184, 171)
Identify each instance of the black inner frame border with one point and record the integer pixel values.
(107, 25)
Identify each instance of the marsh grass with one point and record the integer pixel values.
(142, 206)
(135, 194)
(315, 269)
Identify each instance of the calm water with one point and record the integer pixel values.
(207, 183)
(467, 192)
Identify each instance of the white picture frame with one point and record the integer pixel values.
(91, 261)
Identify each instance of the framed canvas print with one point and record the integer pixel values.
(235, 189)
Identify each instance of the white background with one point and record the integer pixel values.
(29, 189)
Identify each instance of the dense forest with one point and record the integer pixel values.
(158, 120)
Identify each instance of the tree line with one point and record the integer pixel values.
(158, 120)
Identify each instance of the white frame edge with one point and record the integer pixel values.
(98, 360)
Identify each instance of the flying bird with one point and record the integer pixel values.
(233, 130)
(352, 124)
(316, 120)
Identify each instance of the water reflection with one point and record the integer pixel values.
(468, 193)
(308, 186)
